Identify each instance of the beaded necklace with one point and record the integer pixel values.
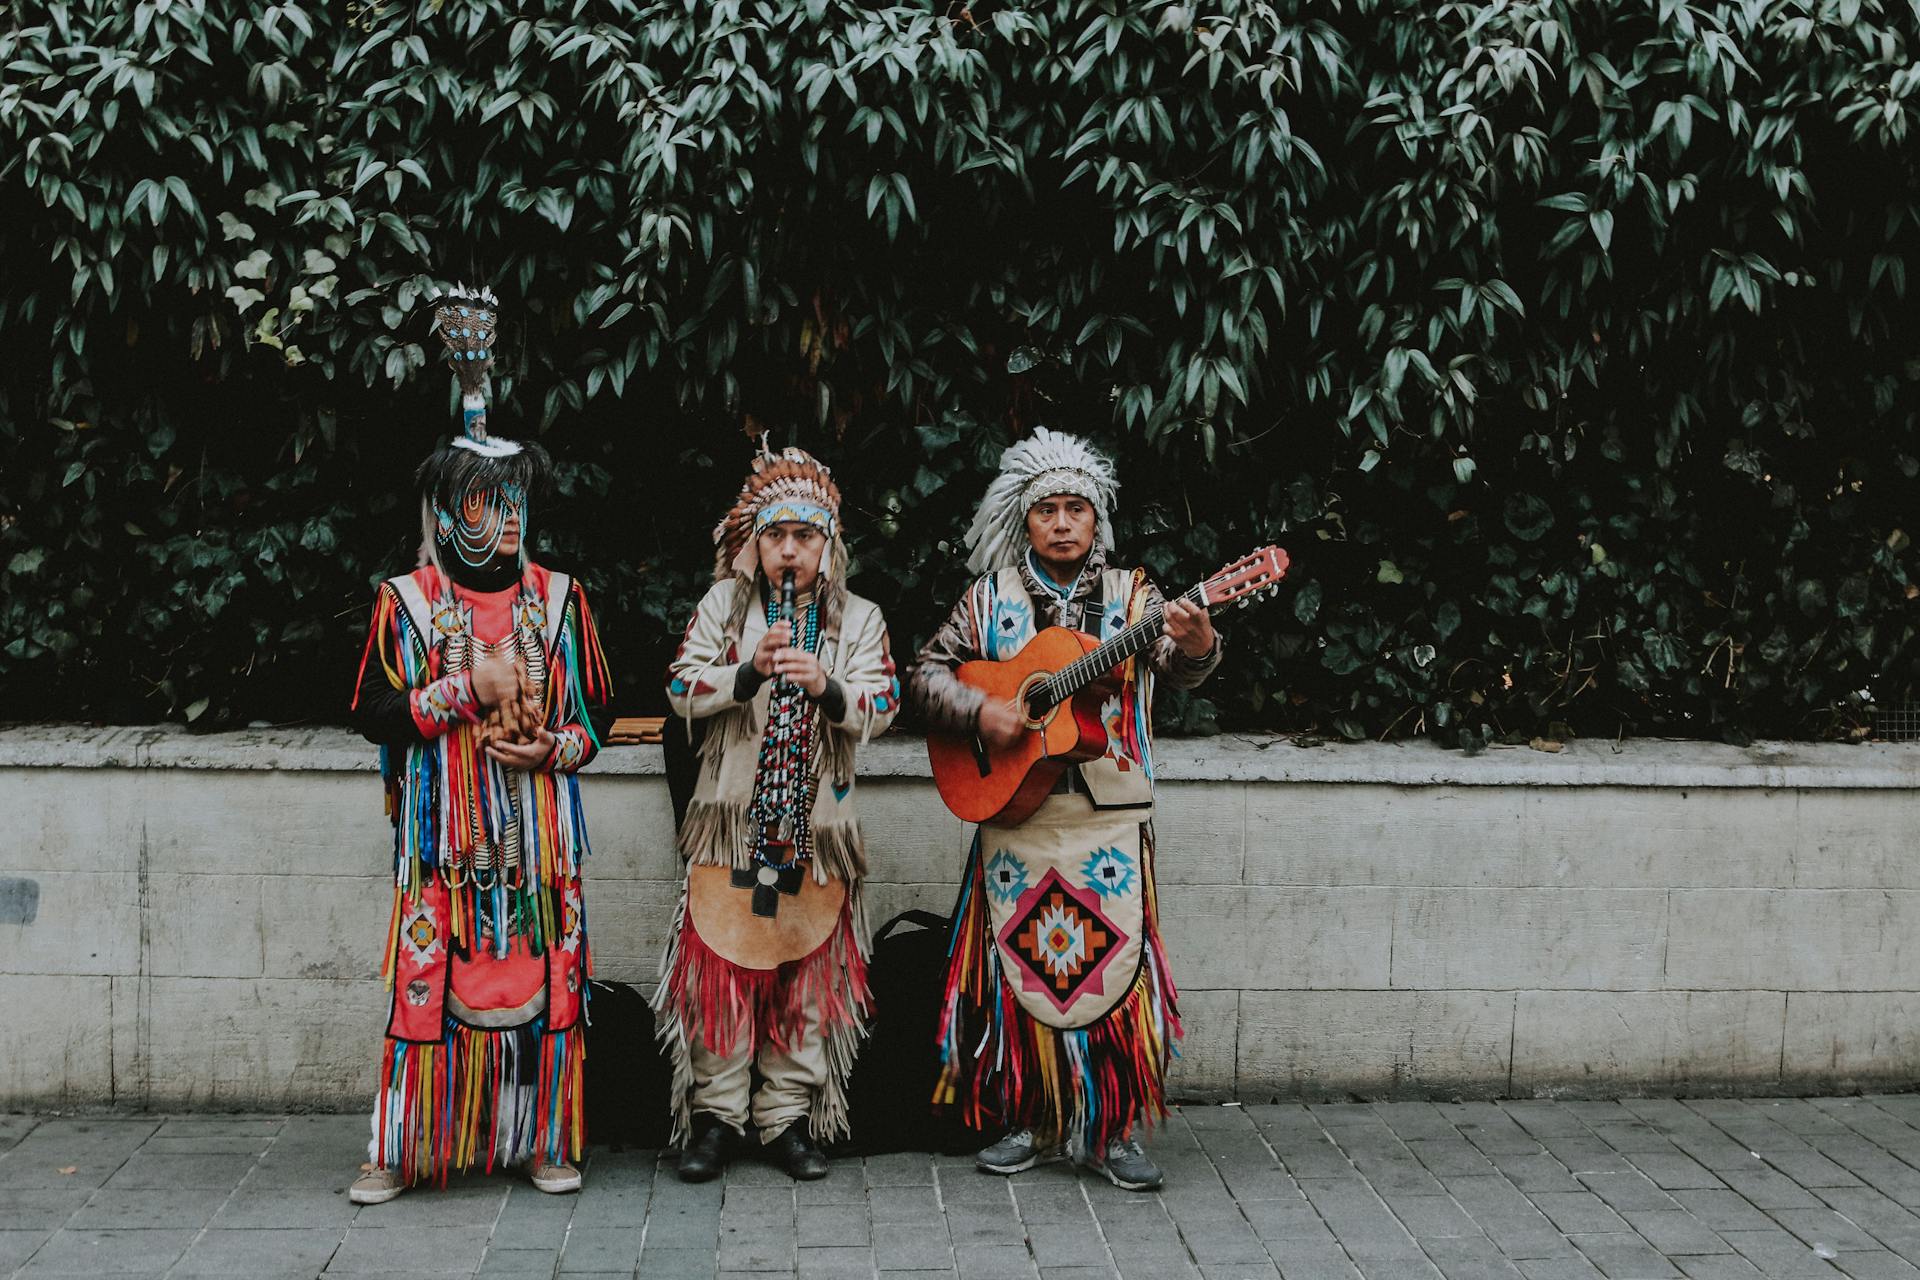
(780, 817)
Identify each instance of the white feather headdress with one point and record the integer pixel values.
(1045, 464)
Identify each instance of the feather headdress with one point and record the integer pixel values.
(1044, 465)
(789, 485)
(467, 322)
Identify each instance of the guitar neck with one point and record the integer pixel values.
(1083, 671)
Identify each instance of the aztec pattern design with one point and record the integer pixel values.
(1011, 626)
(1006, 876)
(1059, 941)
(1109, 873)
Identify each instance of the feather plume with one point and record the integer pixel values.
(1043, 465)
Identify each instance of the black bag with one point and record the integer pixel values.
(629, 1077)
(889, 1098)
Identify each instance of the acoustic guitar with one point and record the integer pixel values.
(1061, 677)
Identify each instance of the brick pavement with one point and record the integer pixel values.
(1640, 1190)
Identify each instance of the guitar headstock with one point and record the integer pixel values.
(1247, 579)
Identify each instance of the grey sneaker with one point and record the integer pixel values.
(1013, 1153)
(1128, 1167)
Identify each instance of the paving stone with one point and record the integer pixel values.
(906, 1246)
(520, 1264)
(835, 1262)
(1877, 1265)
(1575, 1267)
(1304, 1269)
(1824, 1227)
(751, 1244)
(1769, 1189)
(1412, 1120)
(681, 1264)
(984, 1226)
(1718, 1266)
(177, 1208)
(1399, 1269)
(1675, 1232)
(1546, 1119)
(256, 1252)
(1470, 1258)
(1587, 1154)
(596, 1207)
(1811, 1169)
(467, 1205)
(834, 1226)
(182, 1169)
(391, 1249)
(1672, 1170)
(1631, 1136)
(1526, 1235)
(994, 1262)
(1893, 1226)
(1723, 1210)
(1439, 1216)
(901, 1168)
(1053, 1203)
(1581, 1212)
(17, 1245)
(1480, 1196)
(1778, 1253)
(1715, 1150)
(1450, 1157)
(1278, 1220)
(1224, 1241)
(246, 1208)
(1626, 1191)
(108, 1253)
(1536, 1173)
(1067, 1244)
(31, 1208)
(1624, 1256)
(1156, 1266)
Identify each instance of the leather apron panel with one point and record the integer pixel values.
(723, 916)
(1065, 894)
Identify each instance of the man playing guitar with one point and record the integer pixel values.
(1060, 1011)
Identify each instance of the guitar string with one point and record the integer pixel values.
(1083, 670)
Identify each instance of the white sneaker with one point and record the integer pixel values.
(376, 1186)
(554, 1179)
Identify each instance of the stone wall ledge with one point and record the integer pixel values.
(1638, 762)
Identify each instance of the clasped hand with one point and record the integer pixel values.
(511, 730)
(776, 656)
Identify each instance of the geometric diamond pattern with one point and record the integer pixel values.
(1060, 940)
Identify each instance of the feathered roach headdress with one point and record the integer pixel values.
(1044, 465)
(465, 320)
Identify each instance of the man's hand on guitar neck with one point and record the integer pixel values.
(1190, 627)
(1001, 724)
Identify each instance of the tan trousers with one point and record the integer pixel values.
(723, 1083)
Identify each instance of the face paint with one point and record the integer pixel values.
(487, 519)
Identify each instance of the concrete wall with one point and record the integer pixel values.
(196, 921)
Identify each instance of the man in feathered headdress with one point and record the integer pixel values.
(766, 971)
(1059, 1014)
(484, 685)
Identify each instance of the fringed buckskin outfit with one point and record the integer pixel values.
(766, 968)
(1060, 1011)
(487, 955)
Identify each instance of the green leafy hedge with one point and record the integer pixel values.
(1568, 347)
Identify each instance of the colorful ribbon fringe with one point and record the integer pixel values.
(1006, 1070)
(481, 1098)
